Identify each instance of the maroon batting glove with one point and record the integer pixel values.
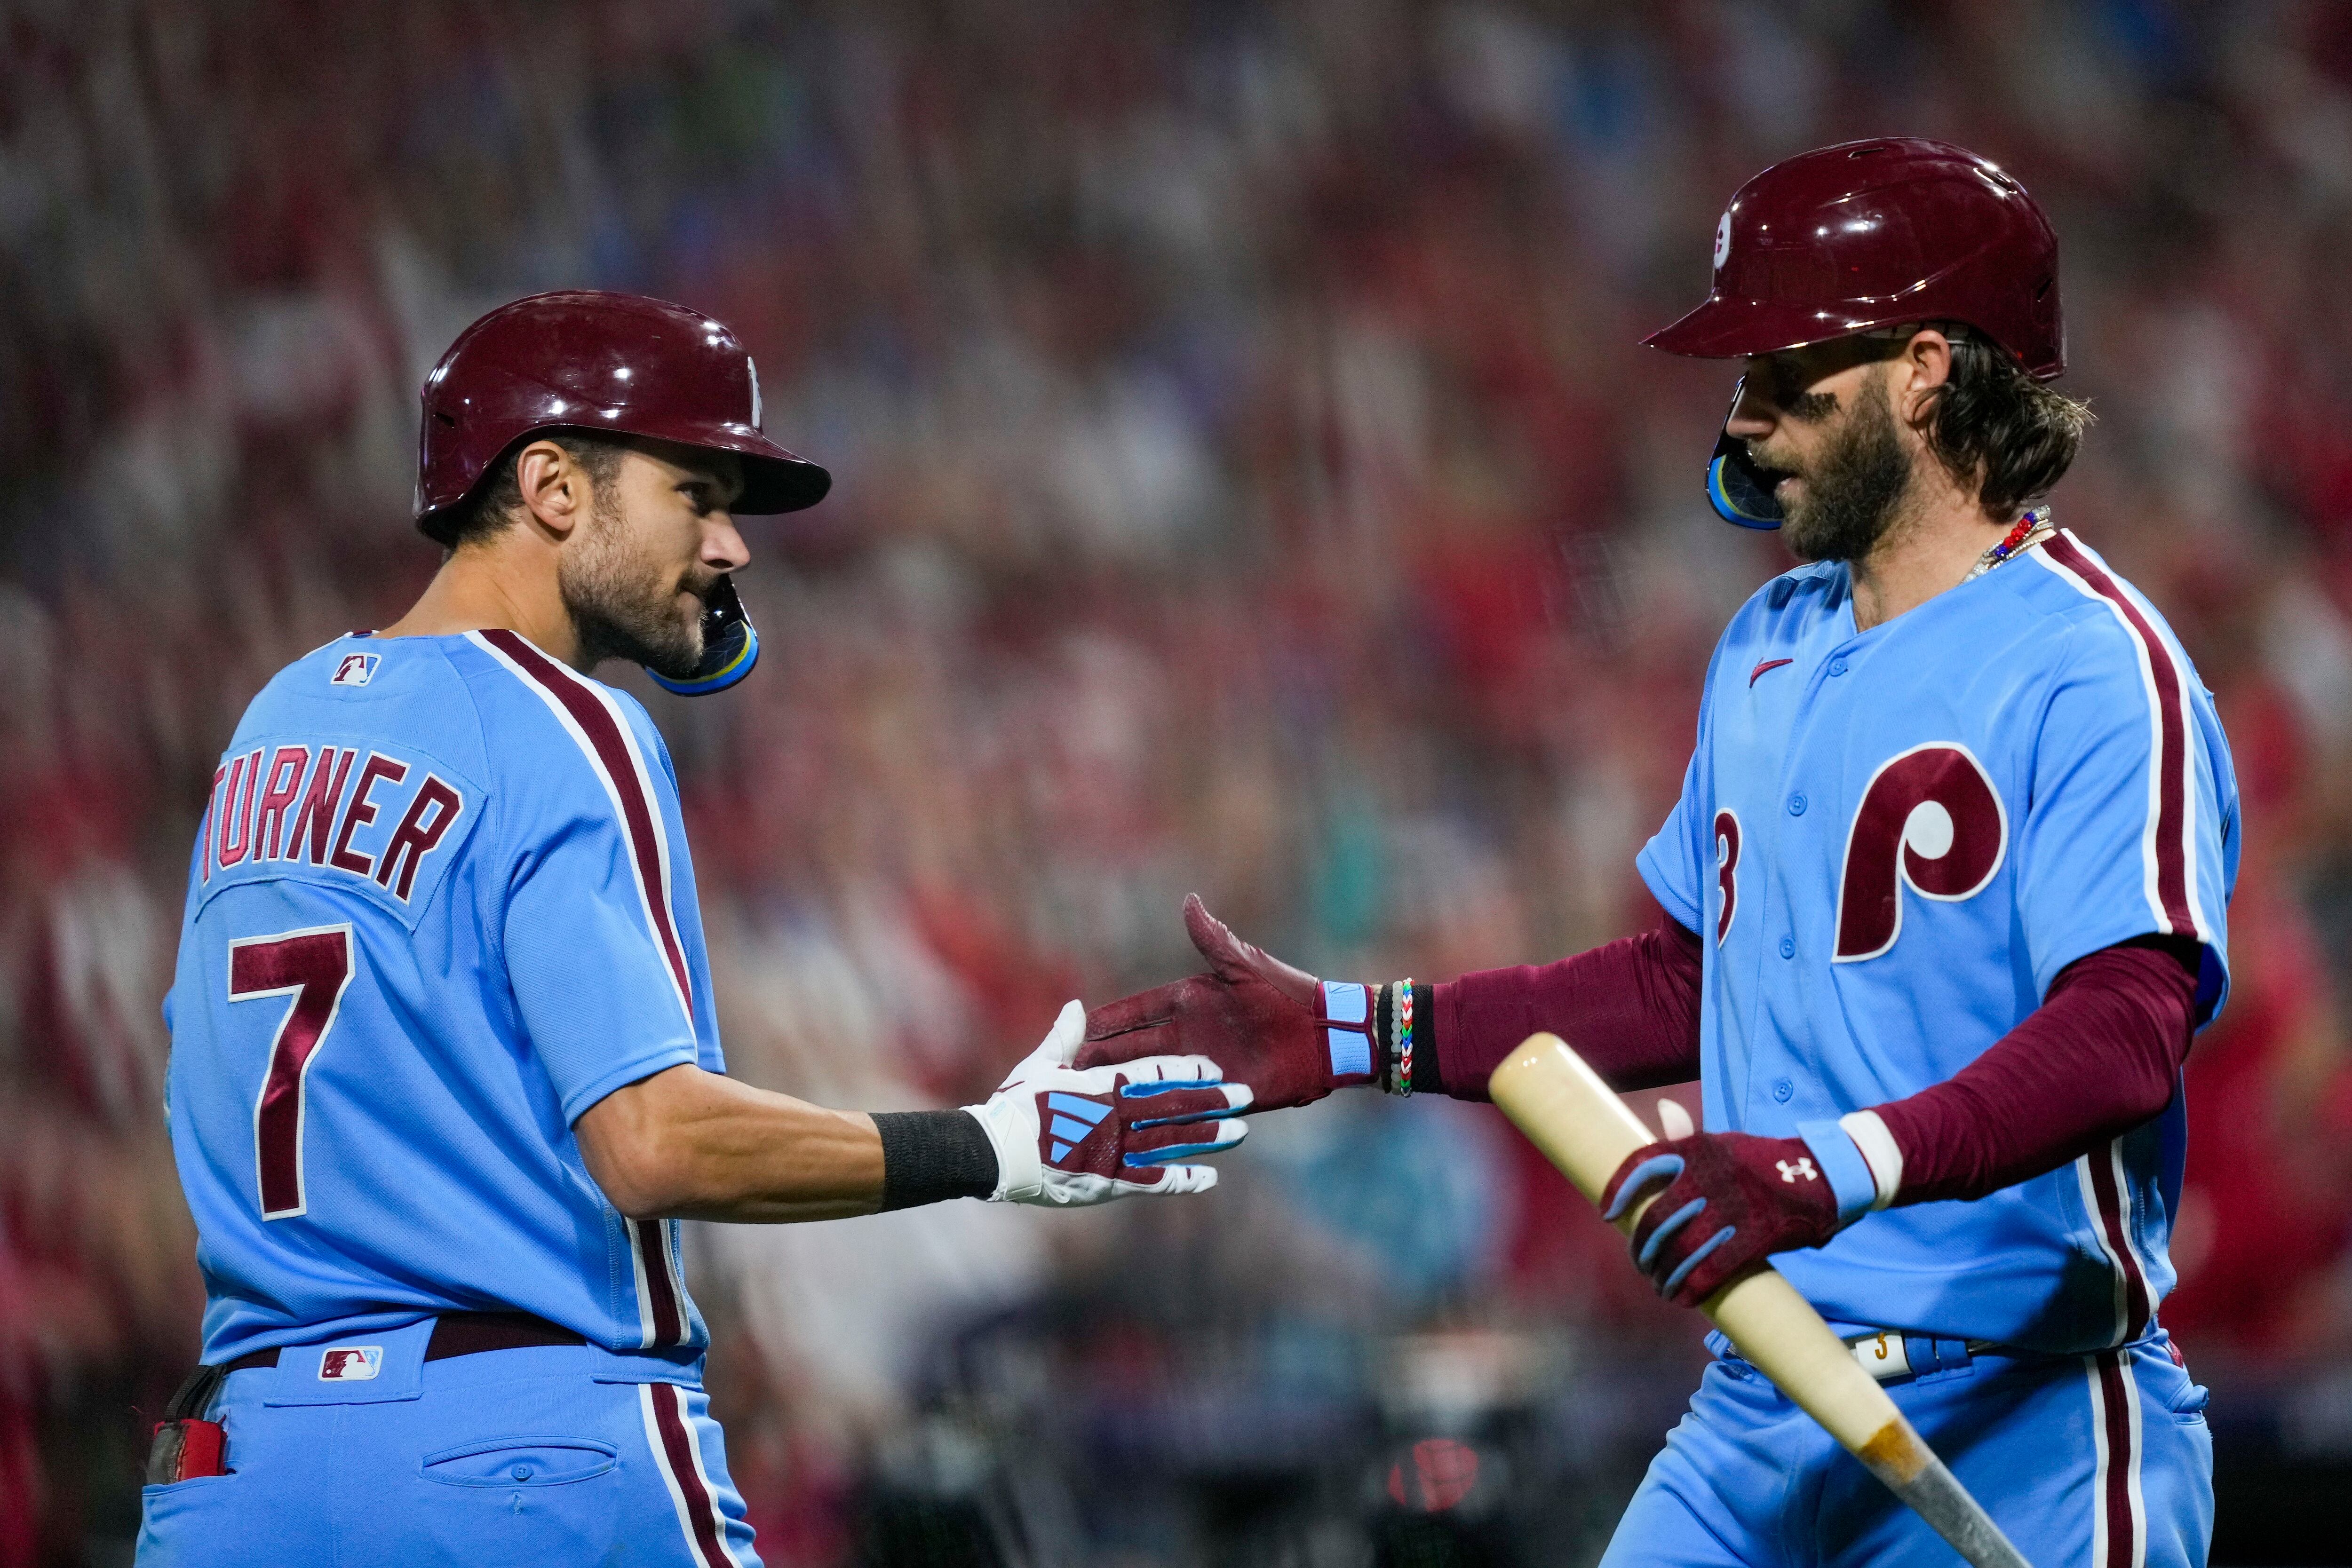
(1292, 1037)
(1726, 1201)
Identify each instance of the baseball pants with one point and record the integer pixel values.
(537, 1455)
(2085, 1462)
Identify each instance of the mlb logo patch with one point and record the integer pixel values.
(351, 1363)
(355, 669)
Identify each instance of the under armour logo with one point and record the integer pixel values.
(1803, 1167)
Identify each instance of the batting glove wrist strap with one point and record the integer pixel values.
(929, 1157)
(1344, 1010)
(1840, 1161)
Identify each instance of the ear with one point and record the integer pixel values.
(1924, 365)
(556, 491)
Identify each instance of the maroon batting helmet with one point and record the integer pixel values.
(606, 364)
(1868, 235)
(1861, 237)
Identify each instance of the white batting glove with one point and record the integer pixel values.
(1067, 1137)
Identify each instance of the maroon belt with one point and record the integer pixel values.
(458, 1333)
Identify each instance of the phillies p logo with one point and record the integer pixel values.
(1930, 821)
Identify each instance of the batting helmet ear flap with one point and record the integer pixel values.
(1738, 488)
(731, 646)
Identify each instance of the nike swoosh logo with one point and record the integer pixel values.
(1766, 664)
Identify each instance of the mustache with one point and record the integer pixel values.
(1772, 472)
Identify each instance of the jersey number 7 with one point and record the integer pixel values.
(314, 968)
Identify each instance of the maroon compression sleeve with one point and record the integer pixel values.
(1630, 1007)
(2098, 1057)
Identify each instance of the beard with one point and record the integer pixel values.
(623, 604)
(1852, 493)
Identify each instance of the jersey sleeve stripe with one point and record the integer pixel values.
(2168, 842)
(587, 715)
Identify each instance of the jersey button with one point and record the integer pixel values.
(1796, 805)
(1787, 946)
(1782, 1089)
(522, 1472)
(1837, 666)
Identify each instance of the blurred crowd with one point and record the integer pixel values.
(1246, 481)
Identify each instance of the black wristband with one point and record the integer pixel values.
(1425, 1079)
(929, 1157)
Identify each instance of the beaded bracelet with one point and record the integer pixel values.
(1401, 1080)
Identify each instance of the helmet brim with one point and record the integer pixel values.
(1725, 329)
(774, 480)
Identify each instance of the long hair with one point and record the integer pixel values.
(1992, 424)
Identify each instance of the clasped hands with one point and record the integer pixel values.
(1725, 1201)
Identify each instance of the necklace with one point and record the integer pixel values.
(2031, 530)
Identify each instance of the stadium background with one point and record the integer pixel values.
(1246, 481)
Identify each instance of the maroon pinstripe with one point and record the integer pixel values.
(677, 1449)
(638, 816)
(2172, 748)
(2113, 1221)
(603, 733)
(2115, 1412)
(653, 1243)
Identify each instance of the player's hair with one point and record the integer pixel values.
(491, 509)
(1994, 424)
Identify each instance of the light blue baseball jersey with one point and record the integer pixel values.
(1890, 843)
(441, 906)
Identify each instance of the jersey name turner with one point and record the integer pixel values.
(286, 809)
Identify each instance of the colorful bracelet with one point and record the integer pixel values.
(1401, 1080)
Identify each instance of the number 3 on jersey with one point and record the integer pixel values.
(1727, 868)
(313, 966)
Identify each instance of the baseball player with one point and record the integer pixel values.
(1944, 897)
(446, 1069)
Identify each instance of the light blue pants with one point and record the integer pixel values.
(547, 1454)
(2090, 1461)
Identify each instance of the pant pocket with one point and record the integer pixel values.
(192, 1523)
(526, 1459)
(2162, 1382)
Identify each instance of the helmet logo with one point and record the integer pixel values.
(1722, 240)
(750, 365)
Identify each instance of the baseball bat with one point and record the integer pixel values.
(1581, 1126)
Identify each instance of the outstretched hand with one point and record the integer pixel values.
(1066, 1135)
(1291, 1038)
